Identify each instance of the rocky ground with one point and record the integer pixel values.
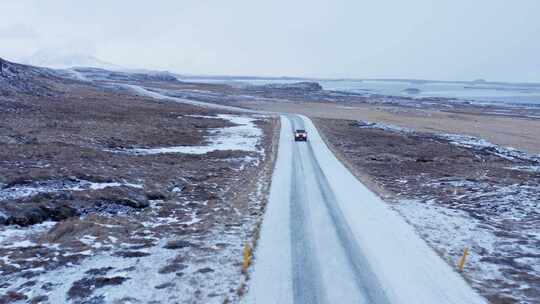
(109, 197)
(458, 192)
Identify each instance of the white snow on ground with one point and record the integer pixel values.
(475, 143)
(460, 140)
(526, 168)
(384, 127)
(451, 231)
(77, 75)
(212, 266)
(15, 236)
(244, 136)
(496, 220)
(22, 191)
(62, 278)
(504, 242)
(145, 92)
(209, 272)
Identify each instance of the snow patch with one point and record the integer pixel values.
(15, 236)
(244, 136)
(384, 127)
(450, 231)
(157, 95)
(461, 140)
(533, 169)
(22, 191)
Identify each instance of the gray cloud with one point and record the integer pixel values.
(460, 39)
(18, 31)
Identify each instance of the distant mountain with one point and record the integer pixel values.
(127, 75)
(63, 60)
(304, 86)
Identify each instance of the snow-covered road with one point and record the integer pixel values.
(327, 239)
(156, 95)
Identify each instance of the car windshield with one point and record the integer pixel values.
(301, 131)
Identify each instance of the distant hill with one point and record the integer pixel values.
(21, 79)
(98, 74)
(63, 60)
(18, 79)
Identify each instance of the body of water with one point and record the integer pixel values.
(474, 91)
(484, 92)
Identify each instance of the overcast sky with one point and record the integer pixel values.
(428, 39)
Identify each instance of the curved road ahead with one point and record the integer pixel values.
(327, 239)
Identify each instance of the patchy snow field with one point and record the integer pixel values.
(499, 225)
(465, 141)
(157, 95)
(14, 236)
(496, 217)
(458, 192)
(21, 191)
(166, 223)
(184, 248)
(244, 136)
(169, 271)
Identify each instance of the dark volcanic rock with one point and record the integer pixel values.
(205, 270)
(85, 287)
(39, 299)
(133, 203)
(131, 254)
(99, 271)
(155, 195)
(174, 267)
(177, 244)
(12, 297)
(164, 285)
(30, 215)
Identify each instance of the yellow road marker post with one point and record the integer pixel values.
(247, 258)
(461, 264)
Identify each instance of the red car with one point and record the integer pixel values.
(300, 135)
